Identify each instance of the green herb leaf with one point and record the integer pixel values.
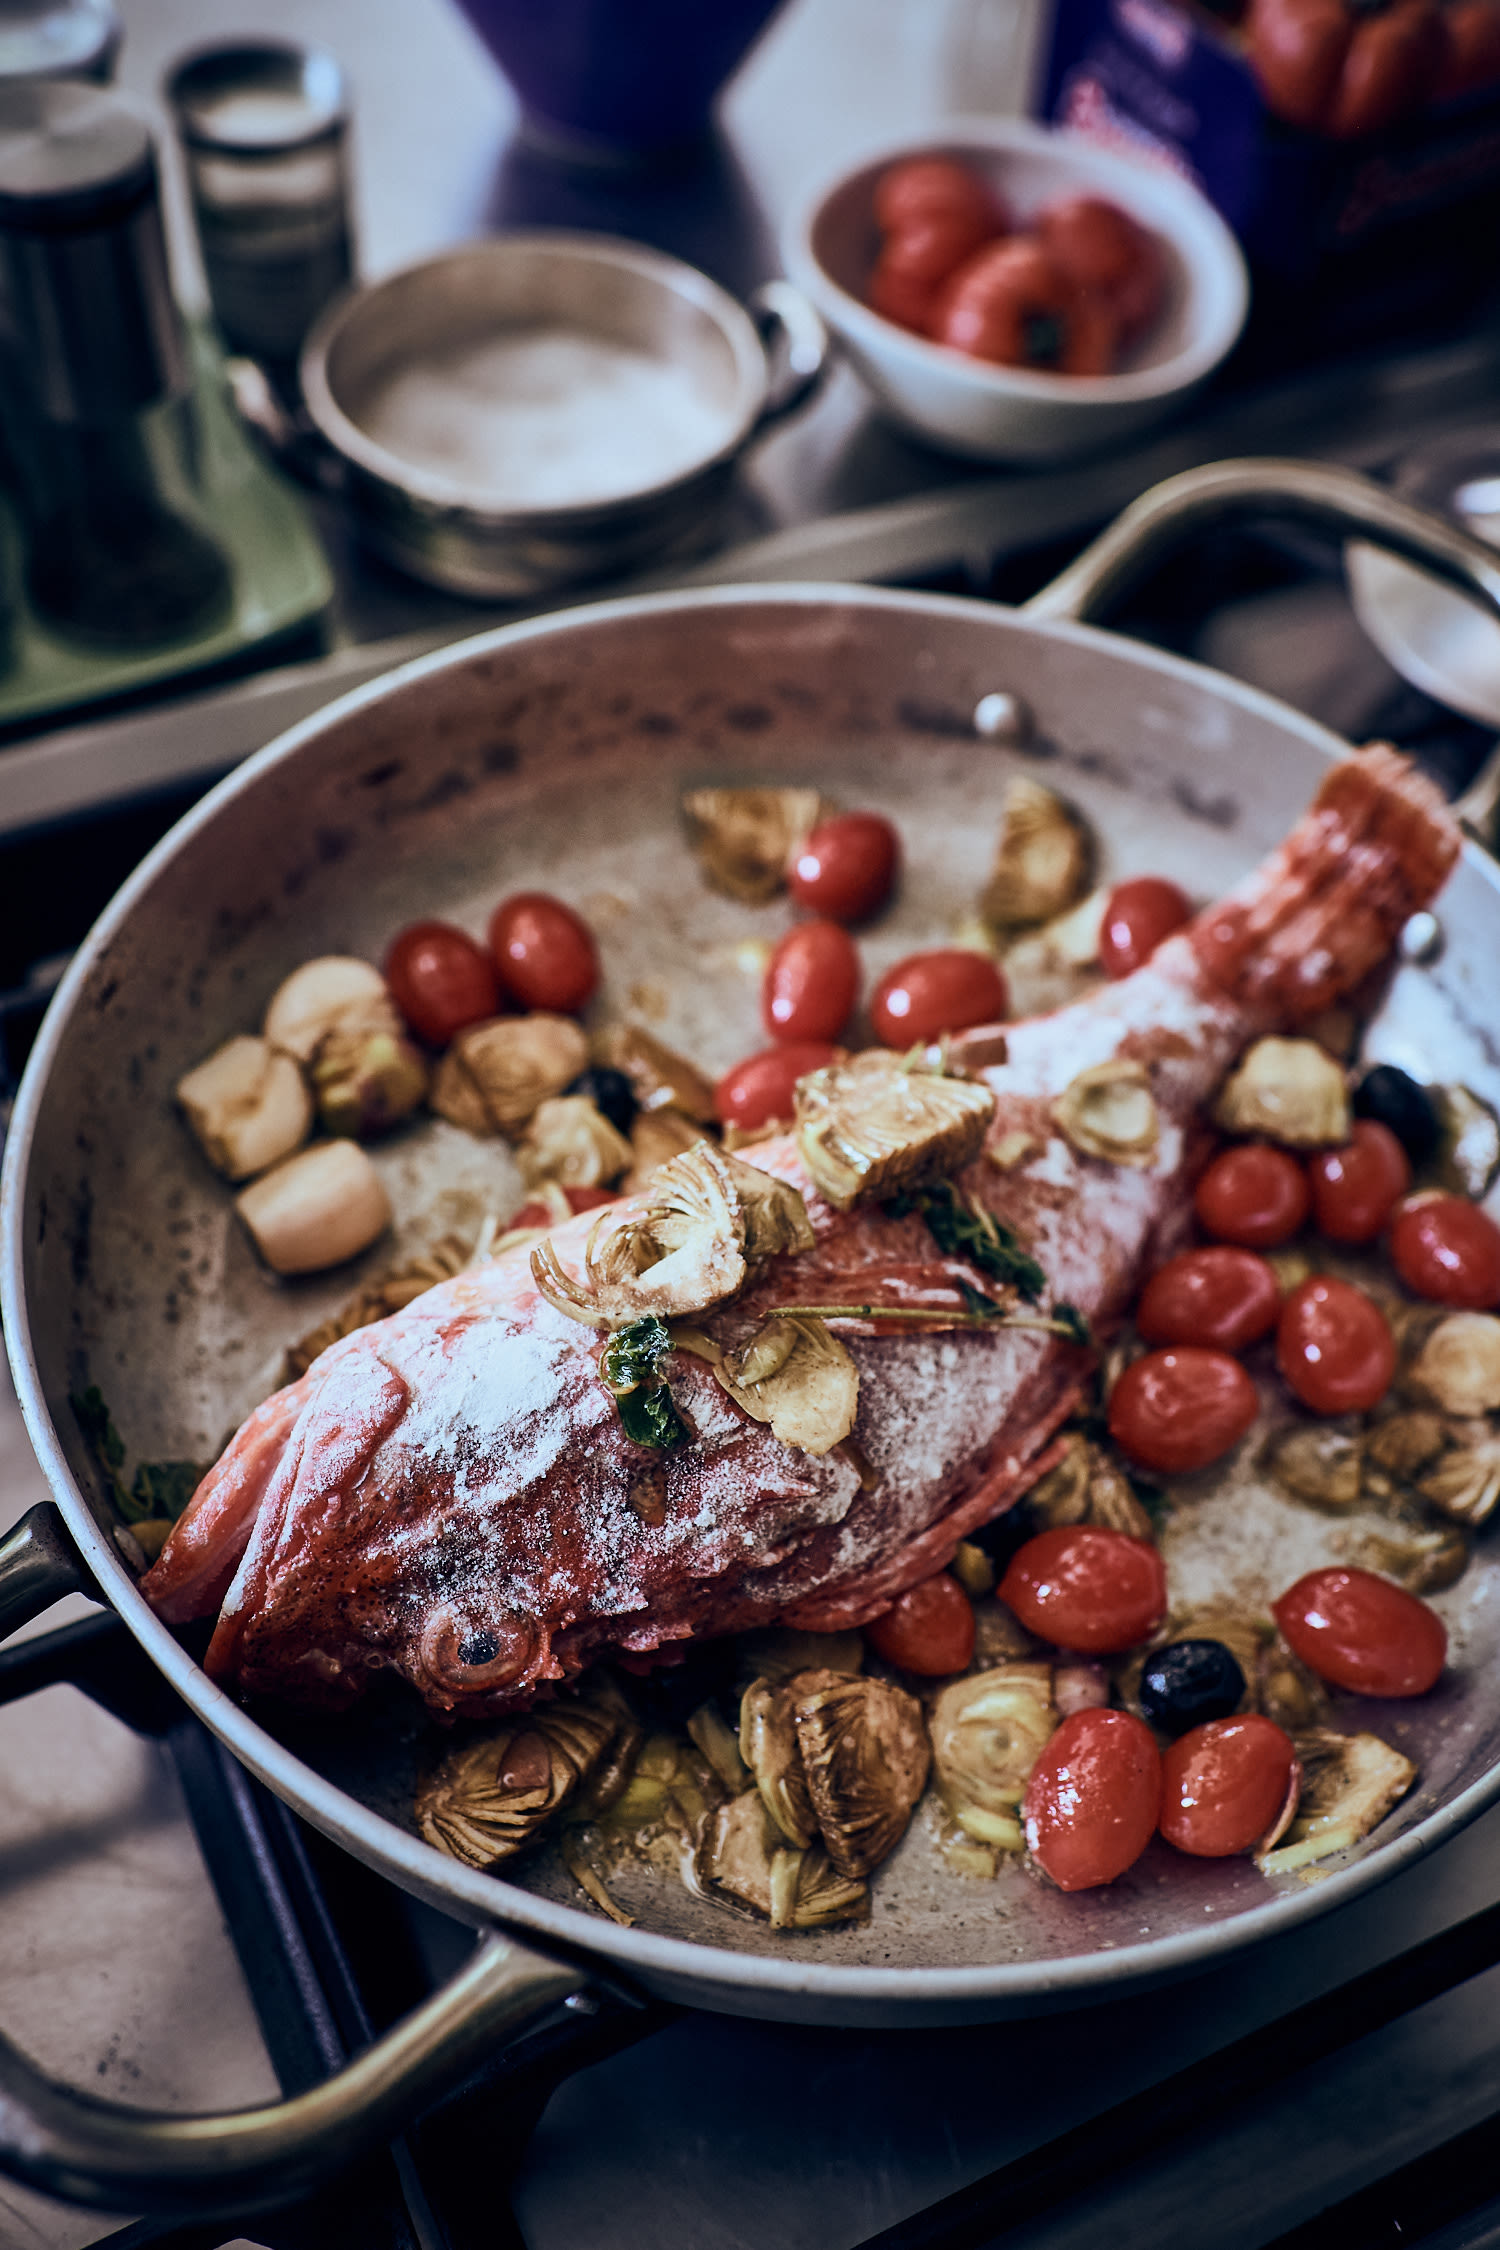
(1072, 1322)
(648, 1415)
(634, 1354)
(164, 1488)
(963, 1227)
(105, 1443)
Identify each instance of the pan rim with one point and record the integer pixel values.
(485, 1899)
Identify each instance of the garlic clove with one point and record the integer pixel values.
(248, 1105)
(316, 1209)
(320, 997)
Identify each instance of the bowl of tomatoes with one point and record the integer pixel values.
(1012, 292)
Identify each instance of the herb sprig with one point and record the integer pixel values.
(160, 1489)
(630, 1369)
(963, 1227)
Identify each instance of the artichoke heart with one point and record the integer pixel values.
(1458, 1367)
(1085, 1486)
(742, 1857)
(769, 1747)
(1318, 1463)
(745, 838)
(1465, 1484)
(367, 1077)
(659, 1077)
(1349, 1784)
(1109, 1111)
(488, 1798)
(874, 1127)
(512, 1064)
(1291, 1090)
(1468, 1141)
(710, 1219)
(865, 1755)
(811, 1394)
(987, 1733)
(1044, 861)
(569, 1140)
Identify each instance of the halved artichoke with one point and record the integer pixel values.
(1319, 1463)
(1468, 1141)
(569, 1140)
(1086, 1486)
(489, 1797)
(659, 1077)
(1349, 1784)
(742, 1857)
(1109, 1111)
(987, 1733)
(771, 1750)
(744, 838)
(1458, 1366)
(810, 1391)
(865, 1755)
(873, 1127)
(1464, 1484)
(1291, 1090)
(1044, 861)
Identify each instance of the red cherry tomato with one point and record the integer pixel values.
(579, 1199)
(811, 984)
(1334, 1346)
(1180, 1409)
(761, 1088)
(1223, 1297)
(1101, 248)
(1082, 1586)
(1010, 304)
(1355, 1189)
(847, 868)
(929, 1630)
(1137, 916)
(930, 993)
(1449, 1250)
(1093, 1798)
(544, 954)
(927, 187)
(1224, 1784)
(901, 297)
(440, 980)
(1362, 1633)
(1255, 1196)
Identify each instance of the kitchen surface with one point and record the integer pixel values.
(170, 1936)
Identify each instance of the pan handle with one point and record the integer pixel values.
(1316, 492)
(113, 2158)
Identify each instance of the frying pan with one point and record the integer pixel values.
(553, 753)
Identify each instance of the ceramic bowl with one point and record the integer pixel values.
(993, 413)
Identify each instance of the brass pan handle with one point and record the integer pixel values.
(114, 2158)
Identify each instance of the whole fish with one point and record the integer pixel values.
(450, 1496)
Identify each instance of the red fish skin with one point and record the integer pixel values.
(455, 1501)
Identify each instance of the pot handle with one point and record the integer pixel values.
(1334, 499)
(796, 346)
(113, 2158)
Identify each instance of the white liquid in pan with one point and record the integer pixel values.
(546, 417)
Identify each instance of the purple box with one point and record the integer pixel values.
(1350, 240)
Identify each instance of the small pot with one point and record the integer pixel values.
(443, 393)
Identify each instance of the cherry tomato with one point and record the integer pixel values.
(901, 297)
(1082, 1586)
(929, 1629)
(544, 955)
(1100, 247)
(1449, 1250)
(1180, 1409)
(1137, 916)
(847, 868)
(1093, 1798)
(926, 187)
(1224, 1784)
(761, 1089)
(1363, 1633)
(1254, 1196)
(929, 993)
(1471, 59)
(1355, 1189)
(1223, 1297)
(1334, 1346)
(916, 261)
(811, 984)
(1009, 303)
(440, 980)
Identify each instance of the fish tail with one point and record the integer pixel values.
(1325, 909)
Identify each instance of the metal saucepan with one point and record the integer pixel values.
(554, 752)
(403, 384)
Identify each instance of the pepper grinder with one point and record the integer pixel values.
(95, 376)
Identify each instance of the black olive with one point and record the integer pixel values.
(1190, 1681)
(1393, 1099)
(611, 1093)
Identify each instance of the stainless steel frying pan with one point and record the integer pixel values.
(553, 753)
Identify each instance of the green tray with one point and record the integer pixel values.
(280, 574)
